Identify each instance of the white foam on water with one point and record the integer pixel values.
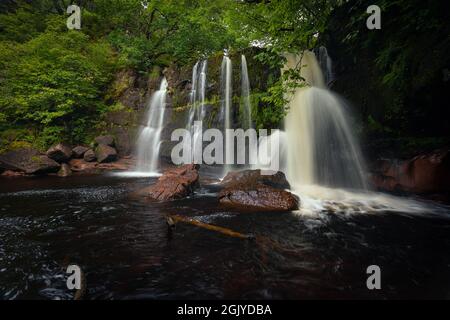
(137, 174)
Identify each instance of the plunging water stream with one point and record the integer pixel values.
(149, 140)
(226, 112)
(321, 147)
(197, 110)
(247, 121)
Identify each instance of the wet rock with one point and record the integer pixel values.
(105, 153)
(89, 156)
(252, 177)
(79, 151)
(258, 197)
(60, 153)
(249, 190)
(65, 170)
(28, 160)
(174, 184)
(105, 140)
(425, 173)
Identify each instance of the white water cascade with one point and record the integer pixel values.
(197, 101)
(198, 93)
(149, 140)
(321, 147)
(245, 96)
(320, 156)
(226, 112)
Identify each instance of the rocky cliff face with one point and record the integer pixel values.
(134, 92)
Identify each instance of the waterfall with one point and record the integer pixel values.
(321, 149)
(226, 91)
(245, 95)
(197, 100)
(202, 89)
(197, 95)
(149, 140)
(227, 94)
(193, 95)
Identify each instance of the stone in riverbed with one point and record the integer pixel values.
(107, 140)
(258, 197)
(250, 177)
(89, 156)
(28, 160)
(248, 190)
(105, 153)
(79, 151)
(174, 184)
(60, 153)
(65, 170)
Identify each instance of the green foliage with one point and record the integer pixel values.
(54, 81)
(404, 61)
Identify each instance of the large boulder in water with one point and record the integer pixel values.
(251, 177)
(60, 153)
(28, 160)
(249, 190)
(425, 173)
(258, 197)
(105, 153)
(174, 184)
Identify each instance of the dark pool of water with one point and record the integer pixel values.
(124, 248)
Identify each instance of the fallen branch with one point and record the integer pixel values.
(265, 243)
(173, 219)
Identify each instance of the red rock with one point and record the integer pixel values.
(251, 177)
(258, 197)
(248, 190)
(174, 184)
(425, 173)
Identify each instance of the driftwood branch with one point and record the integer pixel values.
(173, 219)
(263, 242)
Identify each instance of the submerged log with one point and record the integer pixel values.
(263, 242)
(173, 219)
